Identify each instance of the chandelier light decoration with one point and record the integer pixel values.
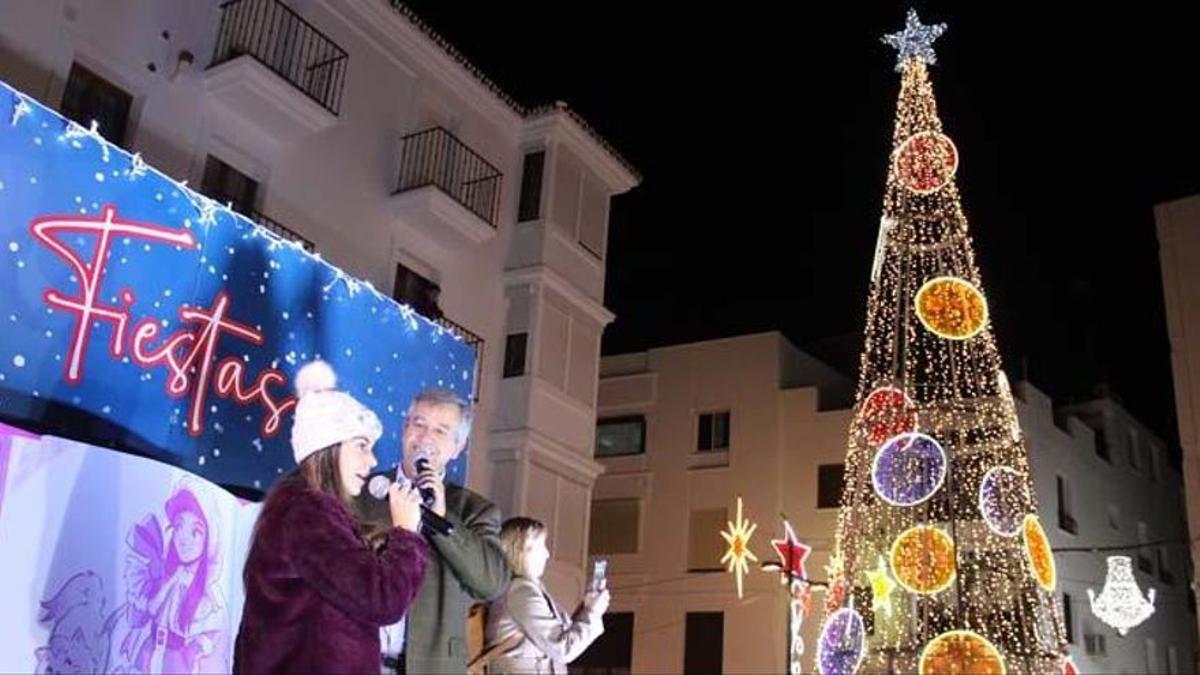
(1120, 604)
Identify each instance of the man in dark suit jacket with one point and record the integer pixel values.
(466, 566)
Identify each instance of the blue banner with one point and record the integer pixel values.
(141, 315)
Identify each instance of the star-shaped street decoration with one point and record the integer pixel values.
(792, 554)
(915, 41)
(738, 539)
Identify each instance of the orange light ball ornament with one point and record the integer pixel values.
(1037, 552)
(961, 652)
(923, 560)
(951, 308)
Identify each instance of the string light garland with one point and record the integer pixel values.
(1120, 603)
(946, 522)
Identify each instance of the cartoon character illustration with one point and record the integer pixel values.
(174, 619)
(79, 633)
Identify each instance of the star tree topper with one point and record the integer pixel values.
(915, 41)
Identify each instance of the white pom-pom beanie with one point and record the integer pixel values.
(325, 416)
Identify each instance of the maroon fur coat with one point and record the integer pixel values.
(316, 594)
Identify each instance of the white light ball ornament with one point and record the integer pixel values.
(1002, 500)
(908, 469)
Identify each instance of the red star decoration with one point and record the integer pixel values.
(790, 549)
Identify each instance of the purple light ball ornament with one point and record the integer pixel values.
(908, 469)
(1002, 499)
(842, 645)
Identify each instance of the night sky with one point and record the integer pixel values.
(763, 140)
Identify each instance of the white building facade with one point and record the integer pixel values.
(352, 126)
(685, 430)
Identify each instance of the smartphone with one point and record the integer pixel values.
(599, 576)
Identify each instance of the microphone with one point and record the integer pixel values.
(431, 523)
(421, 464)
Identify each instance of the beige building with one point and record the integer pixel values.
(352, 126)
(1179, 251)
(684, 430)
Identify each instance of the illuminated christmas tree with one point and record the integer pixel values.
(941, 565)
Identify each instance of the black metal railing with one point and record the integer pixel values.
(435, 157)
(471, 340)
(281, 40)
(282, 230)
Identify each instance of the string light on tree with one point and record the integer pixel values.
(738, 539)
(1120, 603)
(937, 473)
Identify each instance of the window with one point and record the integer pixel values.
(1144, 562)
(1164, 566)
(90, 97)
(530, 205)
(612, 652)
(831, 478)
(1114, 517)
(1069, 618)
(615, 526)
(703, 642)
(514, 354)
(1102, 450)
(1095, 644)
(1136, 460)
(1153, 664)
(705, 546)
(713, 432)
(226, 185)
(1066, 522)
(616, 436)
(417, 292)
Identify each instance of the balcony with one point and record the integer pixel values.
(274, 78)
(283, 231)
(471, 340)
(446, 189)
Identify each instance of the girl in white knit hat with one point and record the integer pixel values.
(316, 592)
